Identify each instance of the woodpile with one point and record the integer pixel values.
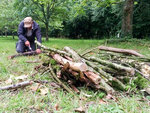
(102, 68)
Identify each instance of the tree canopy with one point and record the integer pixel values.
(79, 18)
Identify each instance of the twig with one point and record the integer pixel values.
(89, 51)
(23, 54)
(63, 85)
(15, 86)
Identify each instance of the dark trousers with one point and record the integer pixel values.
(21, 47)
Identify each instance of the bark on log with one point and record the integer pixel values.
(74, 54)
(52, 49)
(23, 54)
(93, 77)
(89, 51)
(113, 65)
(60, 83)
(15, 86)
(73, 87)
(74, 66)
(107, 75)
(107, 87)
(117, 50)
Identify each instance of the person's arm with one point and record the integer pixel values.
(38, 36)
(20, 32)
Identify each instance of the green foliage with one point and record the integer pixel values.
(141, 82)
(101, 95)
(75, 18)
(8, 18)
(49, 13)
(141, 19)
(96, 22)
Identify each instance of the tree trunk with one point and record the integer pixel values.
(13, 36)
(46, 25)
(5, 33)
(127, 18)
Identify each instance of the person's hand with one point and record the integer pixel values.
(38, 51)
(27, 43)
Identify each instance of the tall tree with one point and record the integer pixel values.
(45, 11)
(8, 19)
(127, 18)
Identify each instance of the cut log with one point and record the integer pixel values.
(107, 75)
(93, 77)
(117, 50)
(15, 86)
(113, 65)
(74, 66)
(74, 54)
(52, 49)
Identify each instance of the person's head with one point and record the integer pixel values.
(28, 22)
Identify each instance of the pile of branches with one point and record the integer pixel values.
(102, 68)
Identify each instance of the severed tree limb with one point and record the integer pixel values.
(33, 61)
(52, 49)
(15, 86)
(73, 65)
(107, 87)
(23, 54)
(107, 75)
(89, 51)
(117, 50)
(73, 87)
(95, 78)
(60, 83)
(136, 70)
(74, 54)
(113, 65)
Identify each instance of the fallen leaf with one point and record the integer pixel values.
(109, 96)
(35, 87)
(9, 81)
(83, 98)
(56, 107)
(87, 95)
(102, 101)
(22, 77)
(89, 104)
(44, 91)
(80, 110)
(147, 90)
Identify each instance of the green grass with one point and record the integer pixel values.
(25, 100)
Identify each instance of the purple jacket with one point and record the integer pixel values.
(36, 32)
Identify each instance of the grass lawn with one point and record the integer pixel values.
(27, 100)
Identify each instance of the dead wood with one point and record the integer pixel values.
(107, 75)
(52, 49)
(113, 65)
(93, 77)
(60, 83)
(23, 54)
(73, 65)
(74, 54)
(99, 72)
(15, 86)
(117, 50)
